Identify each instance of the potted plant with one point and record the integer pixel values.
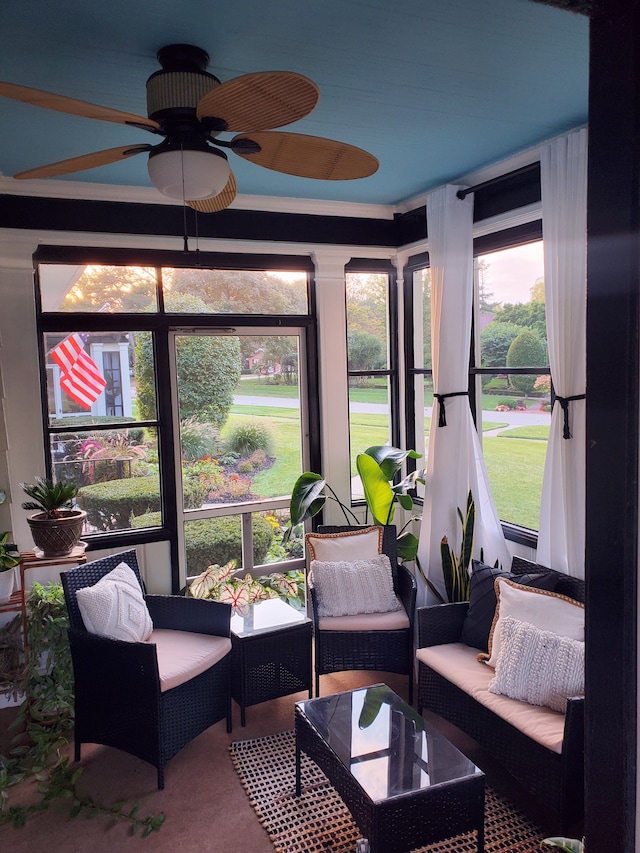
(569, 845)
(377, 468)
(9, 559)
(57, 526)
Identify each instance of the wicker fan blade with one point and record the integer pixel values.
(259, 101)
(63, 104)
(85, 161)
(217, 202)
(309, 156)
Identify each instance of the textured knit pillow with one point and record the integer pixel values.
(482, 599)
(538, 667)
(346, 588)
(346, 545)
(543, 609)
(115, 607)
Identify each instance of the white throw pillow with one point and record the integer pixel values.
(347, 545)
(115, 607)
(538, 667)
(347, 588)
(546, 610)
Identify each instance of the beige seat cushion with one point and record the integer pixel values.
(183, 655)
(458, 663)
(394, 620)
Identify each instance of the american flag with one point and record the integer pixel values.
(80, 377)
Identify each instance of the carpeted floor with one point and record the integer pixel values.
(319, 822)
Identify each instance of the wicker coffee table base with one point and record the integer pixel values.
(404, 822)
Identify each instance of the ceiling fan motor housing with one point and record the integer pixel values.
(181, 84)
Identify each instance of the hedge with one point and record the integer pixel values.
(216, 540)
(111, 505)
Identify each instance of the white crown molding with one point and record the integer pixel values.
(149, 195)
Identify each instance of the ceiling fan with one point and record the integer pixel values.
(190, 107)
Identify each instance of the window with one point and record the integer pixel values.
(512, 383)
(134, 355)
(372, 377)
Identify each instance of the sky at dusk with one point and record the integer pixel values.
(512, 272)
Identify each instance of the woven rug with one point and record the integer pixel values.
(319, 822)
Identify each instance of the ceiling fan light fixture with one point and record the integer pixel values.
(187, 174)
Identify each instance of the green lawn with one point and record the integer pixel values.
(538, 432)
(279, 479)
(515, 467)
(259, 388)
(515, 471)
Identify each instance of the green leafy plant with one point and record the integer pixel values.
(377, 467)
(8, 550)
(45, 719)
(50, 497)
(245, 438)
(218, 583)
(569, 845)
(455, 567)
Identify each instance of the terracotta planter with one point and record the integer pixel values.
(6, 585)
(57, 537)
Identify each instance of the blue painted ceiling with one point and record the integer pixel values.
(433, 89)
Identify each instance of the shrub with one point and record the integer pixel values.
(218, 540)
(527, 350)
(109, 506)
(247, 437)
(507, 402)
(198, 439)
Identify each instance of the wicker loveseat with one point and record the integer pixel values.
(550, 767)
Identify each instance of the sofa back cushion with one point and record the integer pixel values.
(482, 599)
(546, 610)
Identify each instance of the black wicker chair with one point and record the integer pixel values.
(384, 651)
(118, 698)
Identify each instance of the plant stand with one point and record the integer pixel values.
(18, 601)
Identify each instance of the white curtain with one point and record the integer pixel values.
(563, 164)
(455, 464)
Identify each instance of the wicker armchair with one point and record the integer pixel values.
(379, 650)
(118, 697)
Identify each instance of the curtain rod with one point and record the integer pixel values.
(522, 171)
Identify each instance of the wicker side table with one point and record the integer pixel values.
(271, 648)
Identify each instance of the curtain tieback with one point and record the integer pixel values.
(442, 415)
(564, 402)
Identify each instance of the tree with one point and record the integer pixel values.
(208, 368)
(537, 291)
(486, 303)
(530, 315)
(495, 340)
(366, 352)
(240, 291)
(527, 350)
(112, 289)
(367, 303)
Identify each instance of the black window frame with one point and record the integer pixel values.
(385, 267)
(159, 324)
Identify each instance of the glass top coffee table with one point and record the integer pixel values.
(404, 783)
